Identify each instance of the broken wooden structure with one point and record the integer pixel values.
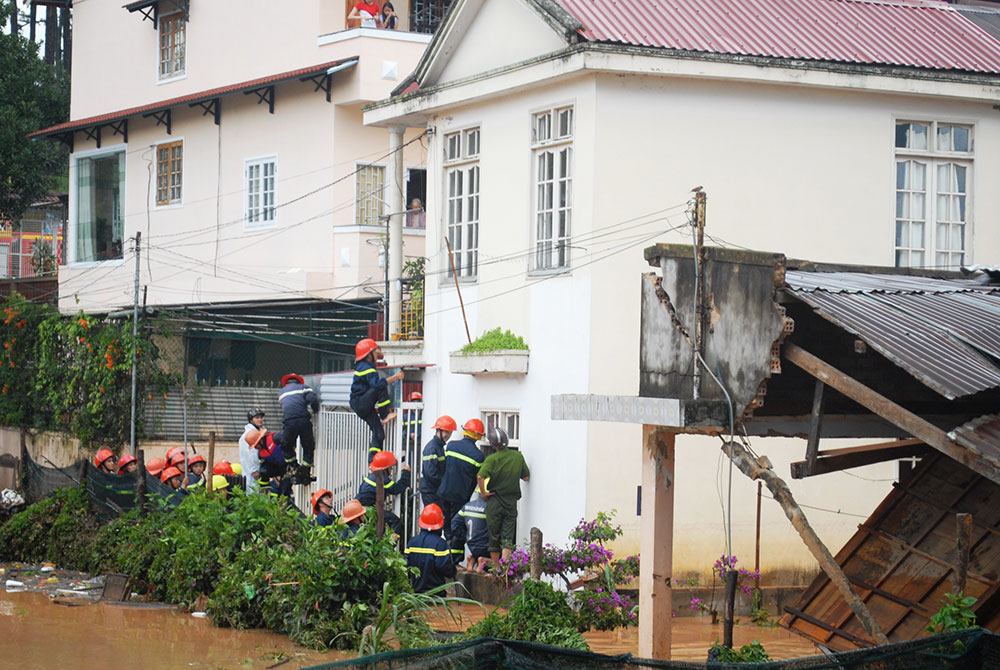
(905, 358)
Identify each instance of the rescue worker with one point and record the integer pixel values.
(296, 400)
(196, 471)
(172, 477)
(249, 458)
(473, 517)
(353, 515)
(385, 460)
(220, 484)
(461, 466)
(105, 461)
(272, 462)
(500, 485)
(127, 464)
(322, 505)
(177, 460)
(370, 393)
(428, 552)
(237, 469)
(223, 467)
(155, 466)
(413, 423)
(432, 464)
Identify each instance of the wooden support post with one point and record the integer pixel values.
(963, 541)
(730, 609)
(753, 469)
(380, 502)
(23, 465)
(815, 427)
(656, 543)
(536, 553)
(756, 551)
(140, 481)
(211, 462)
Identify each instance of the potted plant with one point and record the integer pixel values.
(495, 352)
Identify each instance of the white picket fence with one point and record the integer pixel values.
(341, 460)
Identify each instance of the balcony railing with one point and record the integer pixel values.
(26, 254)
(426, 15)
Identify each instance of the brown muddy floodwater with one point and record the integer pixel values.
(36, 633)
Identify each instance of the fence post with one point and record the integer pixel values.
(380, 502)
(140, 481)
(536, 553)
(211, 462)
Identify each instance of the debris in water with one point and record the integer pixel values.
(199, 615)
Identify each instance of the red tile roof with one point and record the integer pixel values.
(916, 33)
(193, 98)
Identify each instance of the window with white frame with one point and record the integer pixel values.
(461, 178)
(369, 183)
(552, 145)
(933, 192)
(172, 45)
(259, 175)
(169, 172)
(509, 421)
(100, 214)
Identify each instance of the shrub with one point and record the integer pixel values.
(58, 529)
(748, 653)
(495, 340)
(539, 614)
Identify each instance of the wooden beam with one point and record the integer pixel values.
(854, 457)
(656, 543)
(892, 539)
(825, 626)
(890, 411)
(963, 541)
(815, 428)
(754, 469)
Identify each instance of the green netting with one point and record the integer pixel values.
(980, 650)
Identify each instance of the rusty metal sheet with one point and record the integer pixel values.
(861, 282)
(981, 435)
(901, 560)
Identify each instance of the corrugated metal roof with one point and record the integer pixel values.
(193, 98)
(916, 33)
(946, 333)
(981, 435)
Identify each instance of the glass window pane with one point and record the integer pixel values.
(902, 135)
(960, 139)
(917, 235)
(944, 138)
(902, 173)
(918, 176)
(902, 238)
(918, 136)
(960, 171)
(917, 206)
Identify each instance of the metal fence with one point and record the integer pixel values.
(342, 458)
(222, 409)
(17, 249)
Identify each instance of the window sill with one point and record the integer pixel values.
(172, 205)
(170, 80)
(270, 225)
(82, 265)
(550, 273)
(448, 280)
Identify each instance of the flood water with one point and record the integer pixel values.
(38, 634)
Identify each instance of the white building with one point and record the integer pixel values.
(565, 136)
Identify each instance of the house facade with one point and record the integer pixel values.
(229, 134)
(839, 131)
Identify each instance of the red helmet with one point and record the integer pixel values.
(197, 458)
(155, 466)
(291, 378)
(253, 437)
(223, 468)
(102, 455)
(352, 510)
(316, 497)
(364, 347)
(169, 474)
(416, 395)
(123, 461)
(177, 458)
(445, 422)
(172, 451)
(382, 460)
(431, 517)
(474, 426)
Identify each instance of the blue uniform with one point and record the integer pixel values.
(296, 400)
(370, 401)
(366, 496)
(473, 517)
(461, 467)
(323, 519)
(429, 553)
(431, 469)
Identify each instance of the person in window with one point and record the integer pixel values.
(367, 12)
(389, 18)
(415, 216)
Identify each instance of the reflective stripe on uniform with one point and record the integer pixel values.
(295, 392)
(384, 486)
(463, 457)
(472, 515)
(375, 449)
(427, 550)
(383, 403)
(432, 457)
(458, 551)
(362, 373)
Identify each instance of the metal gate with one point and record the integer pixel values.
(341, 460)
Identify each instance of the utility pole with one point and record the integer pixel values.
(394, 201)
(699, 284)
(135, 337)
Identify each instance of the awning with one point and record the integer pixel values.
(150, 9)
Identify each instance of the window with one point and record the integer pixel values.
(509, 421)
(368, 185)
(933, 182)
(462, 200)
(260, 203)
(551, 138)
(172, 47)
(100, 188)
(169, 172)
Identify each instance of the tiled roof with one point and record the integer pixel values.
(191, 99)
(915, 33)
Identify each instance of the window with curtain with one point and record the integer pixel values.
(260, 189)
(100, 224)
(933, 194)
(462, 200)
(552, 142)
(172, 45)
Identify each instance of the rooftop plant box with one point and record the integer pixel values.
(494, 353)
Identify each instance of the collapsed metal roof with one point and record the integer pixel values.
(944, 332)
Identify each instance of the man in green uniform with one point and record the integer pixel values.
(500, 485)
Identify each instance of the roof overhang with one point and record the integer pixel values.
(150, 9)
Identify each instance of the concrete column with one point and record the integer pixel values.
(656, 544)
(394, 205)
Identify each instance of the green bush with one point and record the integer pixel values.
(539, 614)
(58, 529)
(748, 653)
(495, 340)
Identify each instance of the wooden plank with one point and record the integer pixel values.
(845, 451)
(890, 596)
(825, 626)
(892, 539)
(944, 509)
(963, 542)
(890, 411)
(815, 429)
(827, 464)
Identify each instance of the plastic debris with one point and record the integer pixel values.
(199, 615)
(10, 498)
(14, 584)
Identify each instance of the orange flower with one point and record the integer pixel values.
(102, 389)
(149, 397)
(82, 322)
